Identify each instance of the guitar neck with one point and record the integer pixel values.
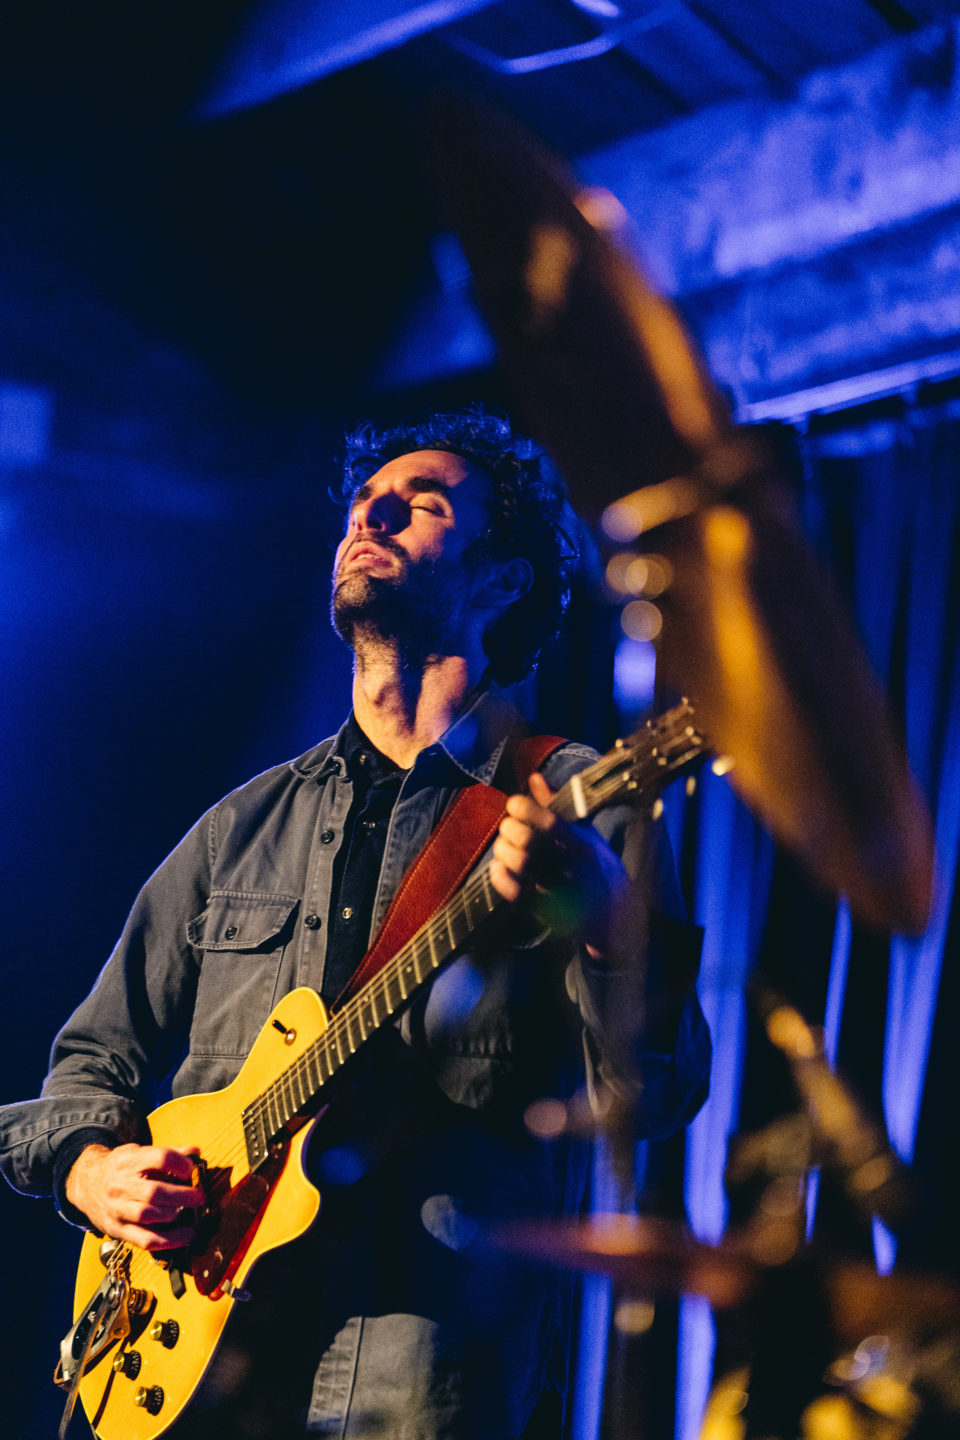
(295, 1091)
(634, 768)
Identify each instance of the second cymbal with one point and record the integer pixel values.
(610, 382)
(648, 1255)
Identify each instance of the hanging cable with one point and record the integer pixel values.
(565, 54)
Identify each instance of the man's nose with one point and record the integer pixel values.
(381, 512)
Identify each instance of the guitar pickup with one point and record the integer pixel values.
(196, 1215)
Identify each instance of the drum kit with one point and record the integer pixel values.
(608, 380)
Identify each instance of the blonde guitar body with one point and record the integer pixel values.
(134, 1389)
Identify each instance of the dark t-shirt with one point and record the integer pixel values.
(376, 784)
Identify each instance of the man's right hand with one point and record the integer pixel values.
(128, 1191)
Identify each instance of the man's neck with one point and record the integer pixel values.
(403, 708)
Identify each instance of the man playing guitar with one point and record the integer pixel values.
(387, 1317)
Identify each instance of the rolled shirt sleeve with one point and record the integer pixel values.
(644, 1034)
(108, 1060)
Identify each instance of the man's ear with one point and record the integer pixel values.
(501, 583)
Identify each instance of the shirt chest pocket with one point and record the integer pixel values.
(241, 937)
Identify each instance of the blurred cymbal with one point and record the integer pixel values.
(864, 1303)
(610, 383)
(650, 1256)
(603, 371)
(753, 633)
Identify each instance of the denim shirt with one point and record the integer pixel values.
(415, 1326)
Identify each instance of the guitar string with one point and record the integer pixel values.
(380, 985)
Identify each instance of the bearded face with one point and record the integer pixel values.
(379, 592)
(406, 569)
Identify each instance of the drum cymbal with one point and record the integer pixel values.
(864, 1303)
(610, 383)
(602, 369)
(753, 633)
(650, 1256)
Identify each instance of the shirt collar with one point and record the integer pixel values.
(475, 740)
(473, 743)
(361, 757)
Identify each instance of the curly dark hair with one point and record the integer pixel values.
(529, 517)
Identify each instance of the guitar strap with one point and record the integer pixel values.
(466, 829)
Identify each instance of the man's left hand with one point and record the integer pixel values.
(568, 871)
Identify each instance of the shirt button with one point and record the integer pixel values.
(312, 921)
(346, 912)
(230, 931)
(326, 837)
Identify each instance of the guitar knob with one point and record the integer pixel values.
(127, 1362)
(149, 1398)
(138, 1300)
(166, 1331)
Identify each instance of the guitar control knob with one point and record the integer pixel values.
(127, 1362)
(149, 1398)
(138, 1300)
(166, 1331)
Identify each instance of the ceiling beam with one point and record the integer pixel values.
(284, 47)
(815, 239)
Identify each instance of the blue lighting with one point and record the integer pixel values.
(26, 413)
(342, 1165)
(453, 995)
(285, 47)
(634, 674)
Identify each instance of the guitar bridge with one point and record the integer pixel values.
(104, 1319)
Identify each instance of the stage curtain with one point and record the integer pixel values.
(879, 496)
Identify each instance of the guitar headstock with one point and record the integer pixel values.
(638, 766)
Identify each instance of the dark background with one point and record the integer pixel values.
(193, 305)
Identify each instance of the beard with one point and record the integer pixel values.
(415, 608)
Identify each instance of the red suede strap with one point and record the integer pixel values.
(466, 829)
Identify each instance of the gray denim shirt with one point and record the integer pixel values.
(416, 1327)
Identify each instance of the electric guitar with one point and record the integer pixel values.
(147, 1324)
